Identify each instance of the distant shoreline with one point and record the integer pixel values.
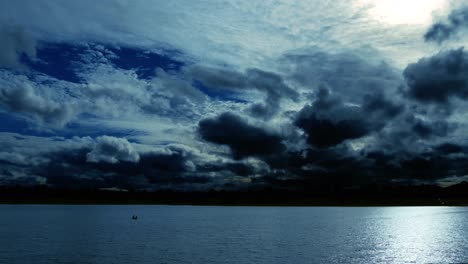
(195, 202)
(246, 205)
(425, 195)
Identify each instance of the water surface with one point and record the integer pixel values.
(210, 234)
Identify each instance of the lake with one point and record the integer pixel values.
(210, 234)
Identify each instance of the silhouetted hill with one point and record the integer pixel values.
(457, 189)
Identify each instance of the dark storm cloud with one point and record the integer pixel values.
(171, 169)
(412, 132)
(106, 162)
(377, 103)
(316, 169)
(427, 129)
(349, 73)
(15, 42)
(442, 31)
(432, 165)
(242, 138)
(73, 168)
(351, 93)
(325, 133)
(320, 169)
(270, 83)
(233, 172)
(450, 148)
(329, 121)
(439, 78)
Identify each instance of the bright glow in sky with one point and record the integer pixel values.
(404, 11)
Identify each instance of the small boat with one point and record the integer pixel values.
(134, 217)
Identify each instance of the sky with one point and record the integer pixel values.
(233, 94)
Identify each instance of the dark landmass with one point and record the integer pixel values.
(423, 195)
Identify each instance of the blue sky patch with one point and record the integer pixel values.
(143, 62)
(63, 61)
(57, 60)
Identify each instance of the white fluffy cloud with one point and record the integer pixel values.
(19, 95)
(112, 150)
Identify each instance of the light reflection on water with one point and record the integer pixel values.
(188, 234)
(422, 234)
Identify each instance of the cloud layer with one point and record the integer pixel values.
(282, 98)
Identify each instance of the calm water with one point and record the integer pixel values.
(187, 234)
